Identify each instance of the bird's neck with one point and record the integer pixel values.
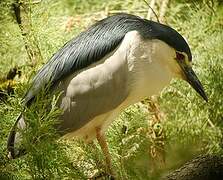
(148, 71)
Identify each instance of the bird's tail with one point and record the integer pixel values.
(15, 138)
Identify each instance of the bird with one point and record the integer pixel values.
(116, 62)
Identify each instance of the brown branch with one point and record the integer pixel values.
(204, 167)
(163, 9)
(151, 10)
(17, 12)
(23, 21)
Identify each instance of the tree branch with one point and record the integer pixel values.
(204, 167)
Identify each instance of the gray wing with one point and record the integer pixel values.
(87, 48)
(94, 91)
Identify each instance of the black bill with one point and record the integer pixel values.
(193, 80)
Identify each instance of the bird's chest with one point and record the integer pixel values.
(96, 95)
(93, 96)
(149, 78)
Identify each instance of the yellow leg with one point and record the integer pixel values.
(104, 146)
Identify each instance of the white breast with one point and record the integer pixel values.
(96, 95)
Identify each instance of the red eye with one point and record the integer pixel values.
(179, 56)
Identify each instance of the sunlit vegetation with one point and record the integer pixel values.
(148, 139)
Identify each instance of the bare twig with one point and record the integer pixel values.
(211, 123)
(17, 12)
(163, 10)
(156, 133)
(23, 20)
(33, 2)
(151, 10)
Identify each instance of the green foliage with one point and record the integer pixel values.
(194, 117)
(190, 126)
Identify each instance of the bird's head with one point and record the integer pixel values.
(184, 61)
(180, 60)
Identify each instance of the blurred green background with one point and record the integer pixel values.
(149, 139)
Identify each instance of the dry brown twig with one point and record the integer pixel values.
(151, 10)
(163, 9)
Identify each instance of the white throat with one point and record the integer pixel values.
(150, 66)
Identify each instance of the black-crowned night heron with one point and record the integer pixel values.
(115, 63)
